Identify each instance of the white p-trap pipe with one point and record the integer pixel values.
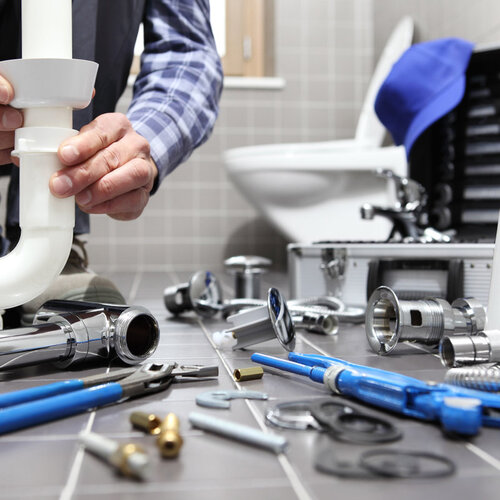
(47, 85)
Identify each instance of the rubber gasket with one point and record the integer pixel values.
(353, 426)
(282, 416)
(278, 417)
(405, 464)
(327, 462)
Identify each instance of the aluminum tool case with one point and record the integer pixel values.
(351, 271)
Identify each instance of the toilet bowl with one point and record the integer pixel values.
(314, 191)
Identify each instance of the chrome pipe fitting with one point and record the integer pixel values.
(484, 377)
(326, 324)
(258, 324)
(57, 335)
(202, 294)
(461, 350)
(247, 270)
(328, 305)
(390, 320)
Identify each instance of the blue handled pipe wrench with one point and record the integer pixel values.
(458, 409)
(36, 405)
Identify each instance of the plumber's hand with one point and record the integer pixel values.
(10, 119)
(108, 168)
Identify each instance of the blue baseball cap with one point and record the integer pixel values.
(426, 82)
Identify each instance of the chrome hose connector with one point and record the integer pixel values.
(390, 320)
(202, 294)
(464, 350)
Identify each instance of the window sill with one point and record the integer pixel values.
(243, 82)
(254, 83)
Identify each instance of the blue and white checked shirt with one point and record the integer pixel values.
(177, 91)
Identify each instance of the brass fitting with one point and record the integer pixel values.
(251, 373)
(124, 459)
(169, 440)
(148, 422)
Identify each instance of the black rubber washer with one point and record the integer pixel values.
(326, 462)
(326, 410)
(347, 424)
(406, 464)
(364, 429)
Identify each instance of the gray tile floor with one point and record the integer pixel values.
(46, 461)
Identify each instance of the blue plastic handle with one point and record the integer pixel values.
(315, 373)
(42, 392)
(52, 408)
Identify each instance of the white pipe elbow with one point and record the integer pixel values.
(46, 222)
(34, 263)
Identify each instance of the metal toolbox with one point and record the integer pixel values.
(351, 271)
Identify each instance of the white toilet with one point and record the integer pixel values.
(314, 191)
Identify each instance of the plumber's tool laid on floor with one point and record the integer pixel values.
(203, 295)
(258, 324)
(128, 459)
(390, 320)
(485, 377)
(221, 399)
(66, 332)
(37, 405)
(239, 432)
(459, 410)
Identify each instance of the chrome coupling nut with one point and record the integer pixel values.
(390, 320)
(247, 270)
(202, 294)
(461, 350)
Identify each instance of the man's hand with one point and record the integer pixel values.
(108, 168)
(10, 119)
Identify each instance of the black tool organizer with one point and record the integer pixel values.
(457, 159)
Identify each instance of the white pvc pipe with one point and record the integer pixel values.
(46, 29)
(493, 312)
(46, 222)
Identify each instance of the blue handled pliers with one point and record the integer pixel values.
(20, 409)
(458, 409)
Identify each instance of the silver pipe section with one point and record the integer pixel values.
(57, 335)
(390, 320)
(326, 324)
(463, 350)
(482, 377)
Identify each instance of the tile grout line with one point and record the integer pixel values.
(135, 287)
(74, 473)
(287, 467)
(485, 456)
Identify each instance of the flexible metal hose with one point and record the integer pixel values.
(485, 377)
(326, 305)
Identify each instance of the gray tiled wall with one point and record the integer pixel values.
(197, 218)
(478, 20)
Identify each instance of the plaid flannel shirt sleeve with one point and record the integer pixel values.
(177, 91)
